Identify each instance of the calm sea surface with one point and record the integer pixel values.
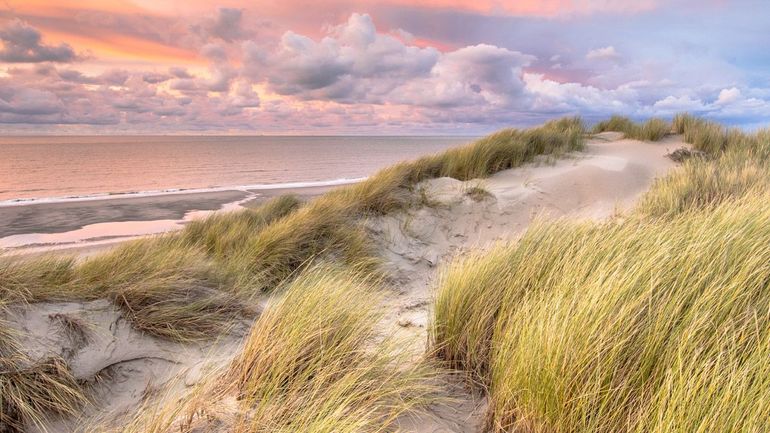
(68, 166)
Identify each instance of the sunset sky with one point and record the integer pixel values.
(375, 67)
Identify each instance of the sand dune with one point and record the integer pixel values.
(603, 180)
(124, 365)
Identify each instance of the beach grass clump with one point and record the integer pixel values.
(323, 229)
(652, 130)
(701, 183)
(615, 124)
(502, 150)
(742, 168)
(472, 288)
(706, 136)
(683, 122)
(164, 285)
(223, 234)
(29, 391)
(591, 327)
(313, 362)
(31, 280)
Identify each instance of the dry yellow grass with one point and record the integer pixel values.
(657, 323)
(313, 362)
(651, 130)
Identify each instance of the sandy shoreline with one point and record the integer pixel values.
(93, 224)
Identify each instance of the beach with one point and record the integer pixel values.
(89, 226)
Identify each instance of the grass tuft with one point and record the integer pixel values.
(28, 393)
(478, 193)
(223, 234)
(742, 168)
(166, 287)
(32, 280)
(652, 130)
(705, 136)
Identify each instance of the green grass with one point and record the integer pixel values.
(502, 150)
(165, 286)
(310, 364)
(652, 130)
(33, 280)
(707, 136)
(224, 234)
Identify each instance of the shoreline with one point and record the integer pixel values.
(103, 196)
(34, 228)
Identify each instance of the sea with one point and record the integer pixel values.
(62, 168)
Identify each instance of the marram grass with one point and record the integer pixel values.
(738, 167)
(635, 326)
(193, 284)
(652, 130)
(253, 251)
(313, 362)
(32, 390)
(656, 323)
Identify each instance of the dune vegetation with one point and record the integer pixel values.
(652, 130)
(194, 284)
(656, 322)
(307, 365)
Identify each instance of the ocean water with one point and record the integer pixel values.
(51, 168)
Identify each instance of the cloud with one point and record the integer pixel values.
(227, 25)
(673, 104)
(23, 44)
(214, 52)
(155, 78)
(32, 102)
(481, 76)
(728, 96)
(179, 72)
(465, 72)
(353, 61)
(606, 53)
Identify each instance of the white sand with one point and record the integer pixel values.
(124, 365)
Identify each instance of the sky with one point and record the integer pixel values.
(375, 66)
